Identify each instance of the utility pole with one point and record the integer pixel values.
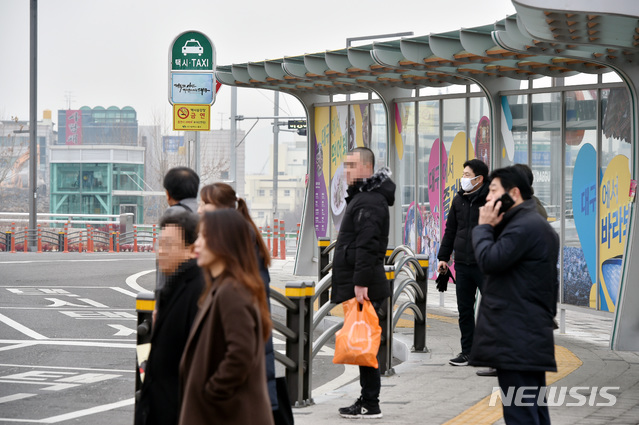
(233, 165)
(276, 133)
(33, 124)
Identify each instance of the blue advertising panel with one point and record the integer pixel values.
(192, 88)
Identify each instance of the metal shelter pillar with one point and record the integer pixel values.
(625, 331)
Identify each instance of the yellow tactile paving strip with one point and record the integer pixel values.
(484, 414)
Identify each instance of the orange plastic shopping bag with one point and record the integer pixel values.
(358, 341)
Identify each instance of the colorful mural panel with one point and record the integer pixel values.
(321, 141)
(614, 210)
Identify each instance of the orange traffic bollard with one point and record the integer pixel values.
(39, 239)
(276, 236)
(268, 237)
(154, 239)
(13, 238)
(282, 240)
(135, 238)
(66, 239)
(26, 239)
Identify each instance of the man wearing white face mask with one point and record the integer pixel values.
(462, 217)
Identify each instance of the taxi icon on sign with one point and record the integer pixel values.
(192, 46)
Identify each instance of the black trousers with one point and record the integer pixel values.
(529, 412)
(468, 279)
(369, 377)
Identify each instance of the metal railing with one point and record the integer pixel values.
(91, 239)
(407, 277)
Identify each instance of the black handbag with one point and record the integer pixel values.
(284, 413)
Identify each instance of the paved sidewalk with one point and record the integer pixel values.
(425, 389)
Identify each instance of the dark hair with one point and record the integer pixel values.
(228, 237)
(510, 177)
(181, 183)
(222, 195)
(366, 155)
(186, 221)
(523, 168)
(478, 166)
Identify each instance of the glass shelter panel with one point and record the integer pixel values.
(405, 143)
(514, 131)
(479, 131)
(579, 243)
(546, 153)
(429, 175)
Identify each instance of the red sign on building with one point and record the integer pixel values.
(74, 127)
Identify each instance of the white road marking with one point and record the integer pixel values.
(87, 412)
(14, 397)
(71, 343)
(76, 414)
(351, 373)
(101, 260)
(131, 281)
(69, 368)
(122, 330)
(93, 303)
(124, 291)
(21, 328)
(13, 347)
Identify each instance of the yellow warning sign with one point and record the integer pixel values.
(191, 117)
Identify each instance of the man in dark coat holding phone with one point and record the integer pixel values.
(517, 251)
(358, 263)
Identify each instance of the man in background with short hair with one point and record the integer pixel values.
(462, 218)
(181, 185)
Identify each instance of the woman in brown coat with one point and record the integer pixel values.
(222, 372)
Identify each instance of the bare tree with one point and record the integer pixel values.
(14, 154)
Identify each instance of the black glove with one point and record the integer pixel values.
(442, 280)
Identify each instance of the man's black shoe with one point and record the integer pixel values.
(358, 411)
(460, 360)
(491, 371)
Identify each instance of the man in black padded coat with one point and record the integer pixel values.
(358, 263)
(177, 307)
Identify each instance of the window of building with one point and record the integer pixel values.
(260, 192)
(287, 192)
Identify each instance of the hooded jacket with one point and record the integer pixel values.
(363, 239)
(462, 217)
(514, 328)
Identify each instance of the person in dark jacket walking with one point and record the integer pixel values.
(358, 262)
(517, 251)
(462, 218)
(177, 307)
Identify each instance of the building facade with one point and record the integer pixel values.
(96, 164)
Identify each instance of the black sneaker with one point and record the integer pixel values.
(460, 360)
(358, 411)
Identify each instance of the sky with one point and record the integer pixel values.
(116, 53)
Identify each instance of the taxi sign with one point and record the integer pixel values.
(188, 117)
(192, 51)
(192, 69)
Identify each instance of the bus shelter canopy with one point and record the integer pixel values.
(531, 44)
